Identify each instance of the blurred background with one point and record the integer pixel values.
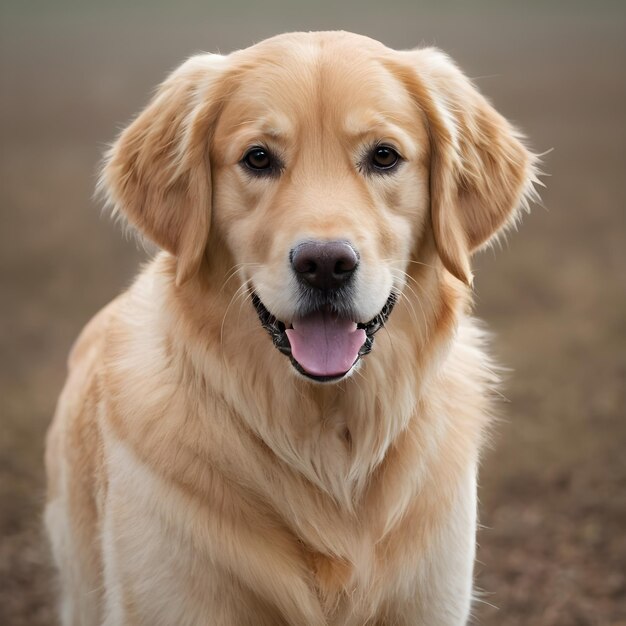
(553, 484)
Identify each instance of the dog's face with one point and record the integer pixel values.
(320, 169)
(325, 159)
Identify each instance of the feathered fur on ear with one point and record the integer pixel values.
(157, 174)
(480, 172)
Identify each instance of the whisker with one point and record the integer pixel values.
(422, 289)
(408, 303)
(240, 289)
(232, 272)
(408, 287)
(243, 298)
(390, 260)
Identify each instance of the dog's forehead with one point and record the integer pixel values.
(329, 77)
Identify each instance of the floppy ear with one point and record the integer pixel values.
(480, 171)
(157, 174)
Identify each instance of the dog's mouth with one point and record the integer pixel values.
(323, 345)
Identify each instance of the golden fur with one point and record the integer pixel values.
(194, 476)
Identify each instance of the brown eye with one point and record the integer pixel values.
(384, 157)
(258, 159)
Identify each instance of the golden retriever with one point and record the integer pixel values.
(253, 434)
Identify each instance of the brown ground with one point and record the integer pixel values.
(554, 486)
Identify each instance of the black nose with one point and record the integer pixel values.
(325, 265)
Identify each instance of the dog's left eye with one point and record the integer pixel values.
(384, 158)
(380, 159)
(259, 160)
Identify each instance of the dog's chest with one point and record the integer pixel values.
(332, 576)
(345, 585)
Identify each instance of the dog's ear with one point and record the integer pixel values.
(480, 172)
(157, 174)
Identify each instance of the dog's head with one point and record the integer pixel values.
(321, 163)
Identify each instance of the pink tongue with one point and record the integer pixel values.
(325, 345)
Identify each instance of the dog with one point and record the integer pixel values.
(280, 421)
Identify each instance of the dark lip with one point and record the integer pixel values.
(276, 330)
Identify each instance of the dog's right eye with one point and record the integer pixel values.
(258, 160)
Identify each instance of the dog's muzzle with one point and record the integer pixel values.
(324, 340)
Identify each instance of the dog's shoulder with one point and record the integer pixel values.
(90, 341)
(470, 379)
